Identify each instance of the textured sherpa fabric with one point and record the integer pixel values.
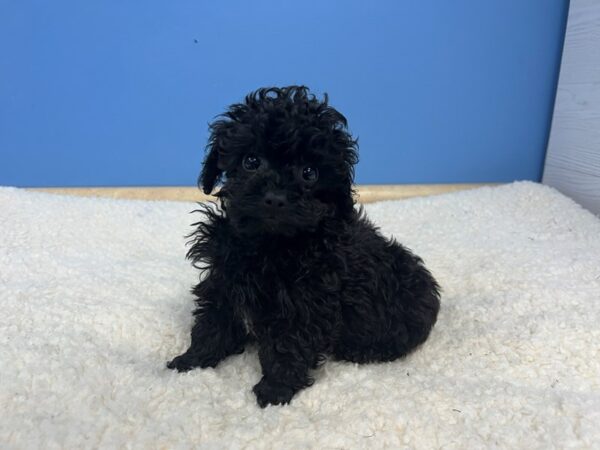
(94, 297)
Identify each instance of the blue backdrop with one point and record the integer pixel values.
(120, 92)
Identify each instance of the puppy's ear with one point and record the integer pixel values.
(211, 173)
(212, 169)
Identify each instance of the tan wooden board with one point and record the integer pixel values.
(366, 193)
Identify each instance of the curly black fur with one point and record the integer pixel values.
(292, 265)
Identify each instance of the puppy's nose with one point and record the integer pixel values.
(275, 200)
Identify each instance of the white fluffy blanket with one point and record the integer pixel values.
(94, 297)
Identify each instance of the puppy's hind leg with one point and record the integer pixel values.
(216, 333)
(400, 331)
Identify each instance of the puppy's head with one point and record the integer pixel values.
(286, 161)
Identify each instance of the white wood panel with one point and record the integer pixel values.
(581, 54)
(573, 157)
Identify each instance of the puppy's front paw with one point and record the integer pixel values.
(188, 361)
(270, 392)
(180, 363)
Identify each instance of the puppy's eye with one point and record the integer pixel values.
(310, 174)
(251, 162)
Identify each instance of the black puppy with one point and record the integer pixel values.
(292, 265)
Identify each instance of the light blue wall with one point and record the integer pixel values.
(120, 92)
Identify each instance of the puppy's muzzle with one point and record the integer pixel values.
(274, 201)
